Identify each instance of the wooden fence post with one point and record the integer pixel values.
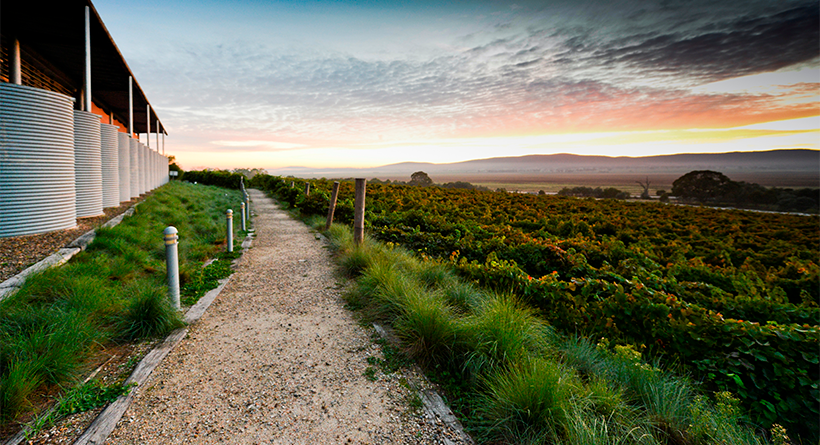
(332, 208)
(358, 216)
(307, 189)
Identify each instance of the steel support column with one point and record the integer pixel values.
(16, 71)
(87, 74)
(130, 107)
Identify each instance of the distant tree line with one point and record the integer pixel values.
(715, 188)
(597, 192)
(421, 179)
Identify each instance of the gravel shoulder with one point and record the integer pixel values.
(277, 359)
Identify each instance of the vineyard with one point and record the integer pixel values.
(728, 297)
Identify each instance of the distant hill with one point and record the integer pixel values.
(793, 168)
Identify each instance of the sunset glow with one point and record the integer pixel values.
(271, 85)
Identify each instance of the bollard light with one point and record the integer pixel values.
(242, 207)
(229, 218)
(172, 264)
(248, 205)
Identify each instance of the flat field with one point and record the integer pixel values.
(628, 182)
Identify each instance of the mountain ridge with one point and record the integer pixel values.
(799, 160)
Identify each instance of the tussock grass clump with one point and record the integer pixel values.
(530, 400)
(45, 348)
(147, 313)
(433, 274)
(503, 330)
(427, 327)
(464, 297)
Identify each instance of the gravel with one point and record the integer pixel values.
(277, 359)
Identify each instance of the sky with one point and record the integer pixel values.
(272, 84)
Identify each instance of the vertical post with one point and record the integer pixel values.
(292, 184)
(358, 215)
(163, 143)
(229, 218)
(332, 207)
(248, 205)
(156, 126)
(148, 127)
(307, 189)
(130, 107)
(242, 206)
(172, 264)
(16, 70)
(87, 76)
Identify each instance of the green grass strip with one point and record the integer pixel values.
(115, 291)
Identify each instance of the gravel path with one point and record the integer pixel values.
(277, 360)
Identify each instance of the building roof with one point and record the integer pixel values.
(56, 32)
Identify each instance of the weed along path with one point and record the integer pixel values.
(277, 359)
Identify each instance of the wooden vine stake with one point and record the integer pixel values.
(307, 189)
(332, 208)
(358, 217)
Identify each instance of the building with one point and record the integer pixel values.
(71, 113)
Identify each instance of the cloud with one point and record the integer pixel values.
(567, 76)
(722, 49)
(266, 145)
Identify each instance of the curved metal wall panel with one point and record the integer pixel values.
(143, 168)
(87, 164)
(124, 166)
(150, 178)
(135, 167)
(155, 170)
(110, 156)
(36, 161)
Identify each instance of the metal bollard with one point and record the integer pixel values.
(242, 207)
(248, 205)
(229, 217)
(172, 264)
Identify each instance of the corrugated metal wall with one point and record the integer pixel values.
(109, 152)
(135, 167)
(36, 161)
(87, 164)
(143, 166)
(124, 166)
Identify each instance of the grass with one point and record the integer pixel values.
(112, 292)
(79, 399)
(510, 377)
(529, 400)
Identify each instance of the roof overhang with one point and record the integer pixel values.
(56, 32)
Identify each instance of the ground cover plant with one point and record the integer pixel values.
(730, 297)
(51, 329)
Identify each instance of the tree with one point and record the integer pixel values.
(702, 185)
(645, 186)
(248, 172)
(420, 179)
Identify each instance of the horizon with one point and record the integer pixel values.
(345, 85)
(534, 154)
